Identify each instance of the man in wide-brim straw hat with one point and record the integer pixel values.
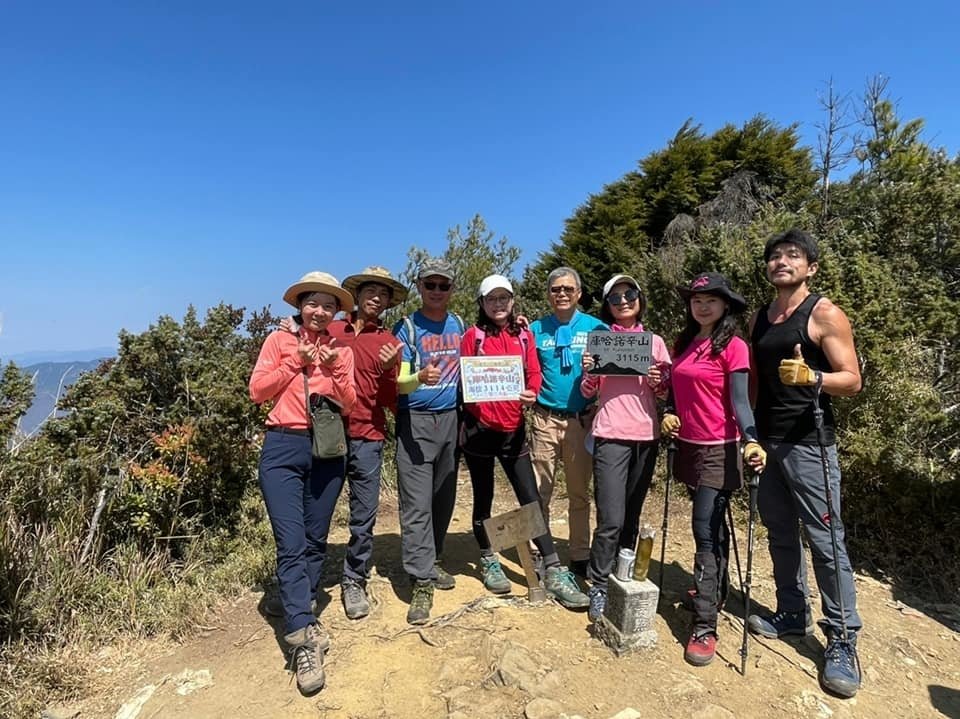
(376, 353)
(378, 276)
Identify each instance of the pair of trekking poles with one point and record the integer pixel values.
(753, 487)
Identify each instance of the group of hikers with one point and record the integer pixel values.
(727, 403)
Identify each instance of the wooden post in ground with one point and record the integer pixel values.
(515, 529)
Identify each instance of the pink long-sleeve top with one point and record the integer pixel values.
(278, 376)
(507, 415)
(627, 405)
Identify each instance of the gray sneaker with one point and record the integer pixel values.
(306, 657)
(560, 584)
(355, 603)
(445, 580)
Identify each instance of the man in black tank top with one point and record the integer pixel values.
(797, 341)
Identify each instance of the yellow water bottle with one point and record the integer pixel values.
(644, 550)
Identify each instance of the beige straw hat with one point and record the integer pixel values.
(380, 275)
(318, 282)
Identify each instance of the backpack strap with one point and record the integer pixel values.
(524, 337)
(462, 327)
(481, 336)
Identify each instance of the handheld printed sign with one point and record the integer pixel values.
(489, 379)
(625, 353)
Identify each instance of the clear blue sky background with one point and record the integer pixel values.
(157, 154)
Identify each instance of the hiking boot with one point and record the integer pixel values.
(781, 624)
(560, 584)
(579, 567)
(355, 603)
(598, 601)
(306, 657)
(445, 580)
(701, 648)
(421, 602)
(841, 666)
(272, 606)
(493, 577)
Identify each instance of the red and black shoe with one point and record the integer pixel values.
(701, 648)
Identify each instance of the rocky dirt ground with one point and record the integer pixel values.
(483, 656)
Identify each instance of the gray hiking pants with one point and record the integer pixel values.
(792, 493)
(427, 458)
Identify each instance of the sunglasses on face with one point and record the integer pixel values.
(565, 289)
(442, 286)
(617, 297)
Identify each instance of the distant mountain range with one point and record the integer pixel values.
(49, 378)
(23, 359)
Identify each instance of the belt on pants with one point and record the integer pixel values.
(559, 413)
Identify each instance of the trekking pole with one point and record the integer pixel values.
(733, 539)
(671, 454)
(825, 464)
(753, 486)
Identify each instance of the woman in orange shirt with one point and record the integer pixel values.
(299, 490)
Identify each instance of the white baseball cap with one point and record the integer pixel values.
(494, 282)
(617, 279)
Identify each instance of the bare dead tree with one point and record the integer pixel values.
(835, 145)
(870, 115)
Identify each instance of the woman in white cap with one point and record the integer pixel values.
(301, 491)
(709, 391)
(626, 437)
(495, 431)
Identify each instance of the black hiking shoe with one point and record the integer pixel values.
(781, 624)
(579, 567)
(421, 602)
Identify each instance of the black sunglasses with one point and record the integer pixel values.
(565, 289)
(442, 286)
(616, 298)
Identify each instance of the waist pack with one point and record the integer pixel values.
(326, 425)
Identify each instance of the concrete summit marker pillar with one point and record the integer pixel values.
(628, 618)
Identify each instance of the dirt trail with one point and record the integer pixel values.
(377, 667)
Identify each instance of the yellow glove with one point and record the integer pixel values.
(751, 450)
(670, 425)
(796, 371)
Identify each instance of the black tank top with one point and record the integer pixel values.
(784, 412)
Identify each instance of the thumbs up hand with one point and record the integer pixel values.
(796, 371)
(328, 354)
(430, 375)
(389, 353)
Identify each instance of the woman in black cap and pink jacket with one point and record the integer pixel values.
(712, 415)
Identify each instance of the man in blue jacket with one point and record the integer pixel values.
(561, 417)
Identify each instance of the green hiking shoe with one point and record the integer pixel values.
(421, 603)
(493, 577)
(445, 580)
(560, 584)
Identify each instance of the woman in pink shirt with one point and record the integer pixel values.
(626, 435)
(299, 490)
(709, 382)
(496, 431)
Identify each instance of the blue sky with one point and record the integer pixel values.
(154, 155)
